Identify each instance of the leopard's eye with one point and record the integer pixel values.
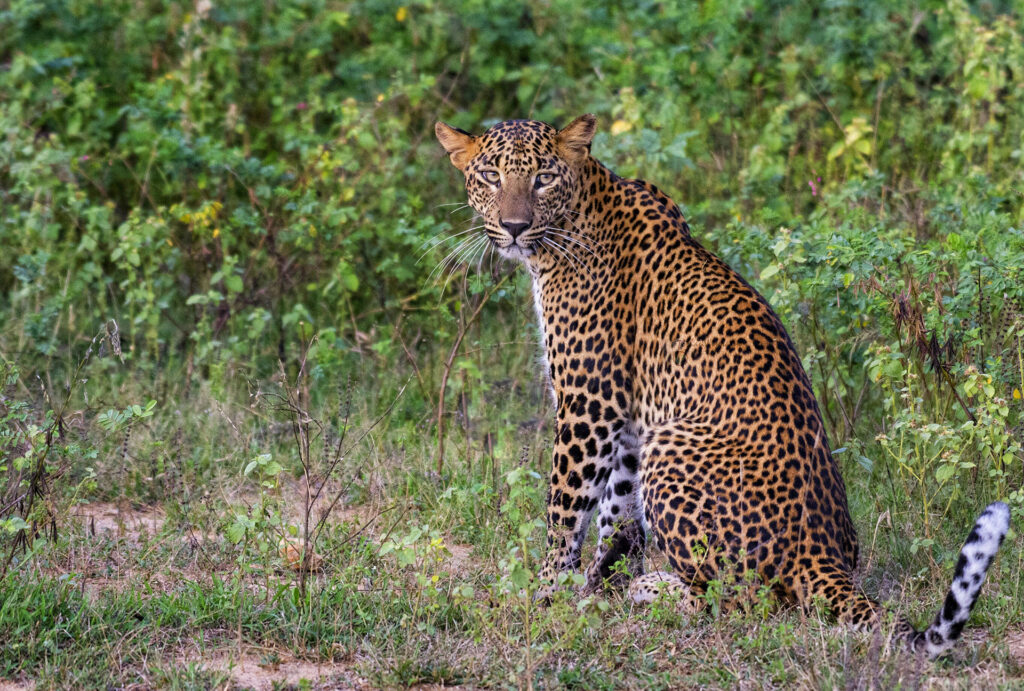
(545, 179)
(491, 176)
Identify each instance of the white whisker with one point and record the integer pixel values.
(444, 262)
(564, 234)
(461, 260)
(569, 257)
(455, 258)
(483, 252)
(443, 240)
(579, 259)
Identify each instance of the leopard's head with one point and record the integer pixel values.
(522, 177)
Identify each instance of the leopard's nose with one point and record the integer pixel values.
(514, 226)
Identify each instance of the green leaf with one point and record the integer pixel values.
(15, 524)
(520, 576)
(945, 471)
(235, 532)
(233, 283)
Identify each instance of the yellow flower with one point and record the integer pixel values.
(1016, 394)
(402, 14)
(620, 126)
(216, 232)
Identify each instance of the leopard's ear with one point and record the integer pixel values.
(575, 138)
(460, 145)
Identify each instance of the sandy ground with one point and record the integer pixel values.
(120, 521)
(1015, 642)
(16, 686)
(248, 672)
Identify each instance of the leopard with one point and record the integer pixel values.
(683, 412)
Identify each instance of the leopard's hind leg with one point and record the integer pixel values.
(707, 506)
(648, 588)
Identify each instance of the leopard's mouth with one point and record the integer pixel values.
(514, 250)
(520, 247)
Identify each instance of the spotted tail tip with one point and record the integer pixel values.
(976, 556)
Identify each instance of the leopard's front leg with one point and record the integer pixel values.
(621, 533)
(582, 461)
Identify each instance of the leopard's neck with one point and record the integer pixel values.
(579, 242)
(576, 266)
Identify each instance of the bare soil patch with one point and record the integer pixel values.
(331, 501)
(460, 559)
(16, 685)
(119, 520)
(1015, 642)
(251, 672)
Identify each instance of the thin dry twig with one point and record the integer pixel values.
(450, 362)
(305, 429)
(38, 481)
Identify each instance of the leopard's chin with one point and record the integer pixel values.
(516, 249)
(517, 252)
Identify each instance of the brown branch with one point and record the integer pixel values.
(449, 363)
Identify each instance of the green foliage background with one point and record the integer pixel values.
(213, 176)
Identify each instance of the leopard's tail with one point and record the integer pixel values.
(975, 556)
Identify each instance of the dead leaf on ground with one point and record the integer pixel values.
(291, 551)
